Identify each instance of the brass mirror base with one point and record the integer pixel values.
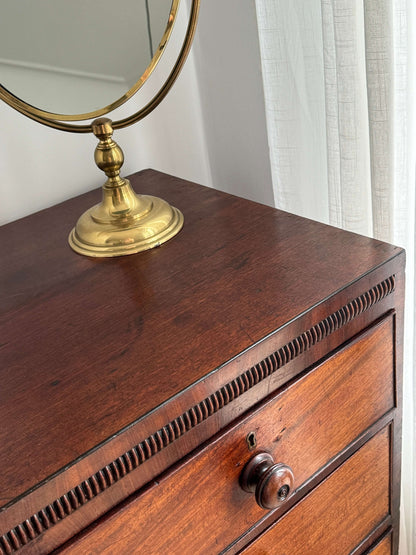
(123, 223)
(151, 225)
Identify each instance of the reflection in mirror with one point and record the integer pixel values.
(79, 56)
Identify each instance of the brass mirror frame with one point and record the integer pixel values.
(12, 99)
(124, 222)
(58, 121)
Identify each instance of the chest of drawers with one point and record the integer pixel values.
(236, 390)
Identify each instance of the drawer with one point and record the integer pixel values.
(339, 513)
(381, 548)
(199, 506)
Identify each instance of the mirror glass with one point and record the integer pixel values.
(78, 56)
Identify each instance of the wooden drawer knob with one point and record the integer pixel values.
(272, 482)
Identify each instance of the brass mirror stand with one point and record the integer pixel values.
(123, 223)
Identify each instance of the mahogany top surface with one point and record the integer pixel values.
(88, 346)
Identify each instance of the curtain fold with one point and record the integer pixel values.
(378, 31)
(339, 81)
(348, 160)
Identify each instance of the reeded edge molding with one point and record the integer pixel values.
(78, 496)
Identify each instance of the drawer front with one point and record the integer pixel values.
(199, 507)
(382, 548)
(339, 513)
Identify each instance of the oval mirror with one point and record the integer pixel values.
(112, 48)
(81, 59)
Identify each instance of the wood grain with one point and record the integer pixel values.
(202, 506)
(65, 505)
(351, 502)
(128, 342)
(383, 547)
(113, 370)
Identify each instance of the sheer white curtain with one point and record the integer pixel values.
(339, 91)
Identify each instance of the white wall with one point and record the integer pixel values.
(210, 128)
(228, 65)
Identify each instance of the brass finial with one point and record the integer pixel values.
(108, 155)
